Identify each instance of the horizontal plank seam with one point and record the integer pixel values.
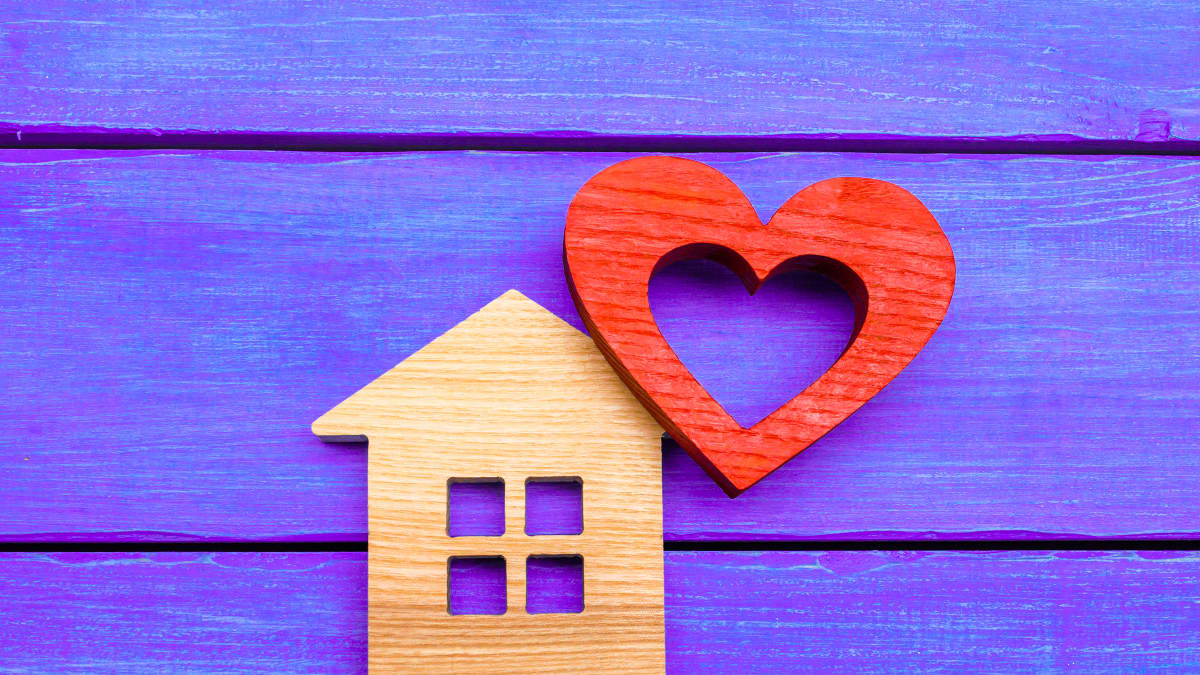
(941, 545)
(1192, 544)
(64, 137)
(339, 541)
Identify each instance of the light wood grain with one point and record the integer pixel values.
(512, 392)
(873, 238)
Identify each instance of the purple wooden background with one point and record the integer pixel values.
(173, 320)
(820, 611)
(1027, 71)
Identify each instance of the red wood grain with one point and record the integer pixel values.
(872, 237)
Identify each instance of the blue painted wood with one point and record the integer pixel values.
(838, 611)
(1066, 70)
(175, 320)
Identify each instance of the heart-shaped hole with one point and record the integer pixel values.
(752, 353)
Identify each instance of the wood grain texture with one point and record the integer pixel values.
(837, 611)
(916, 612)
(877, 241)
(512, 392)
(183, 612)
(175, 320)
(1074, 70)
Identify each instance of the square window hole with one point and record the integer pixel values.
(554, 584)
(475, 507)
(476, 585)
(553, 506)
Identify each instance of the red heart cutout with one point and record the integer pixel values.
(872, 237)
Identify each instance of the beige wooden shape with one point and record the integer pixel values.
(511, 392)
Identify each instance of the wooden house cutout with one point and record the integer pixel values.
(512, 393)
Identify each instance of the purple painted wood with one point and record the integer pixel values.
(947, 612)
(1061, 71)
(553, 506)
(183, 612)
(554, 584)
(475, 508)
(175, 320)
(839, 611)
(475, 584)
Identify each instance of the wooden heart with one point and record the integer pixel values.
(872, 237)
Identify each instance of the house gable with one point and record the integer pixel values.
(512, 359)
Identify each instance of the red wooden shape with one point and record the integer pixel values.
(872, 237)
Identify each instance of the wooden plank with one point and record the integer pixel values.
(838, 611)
(1075, 70)
(516, 394)
(911, 612)
(183, 612)
(174, 321)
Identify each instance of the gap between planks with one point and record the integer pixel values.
(1192, 544)
(99, 138)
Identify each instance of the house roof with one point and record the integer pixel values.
(512, 367)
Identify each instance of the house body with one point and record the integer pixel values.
(511, 394)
